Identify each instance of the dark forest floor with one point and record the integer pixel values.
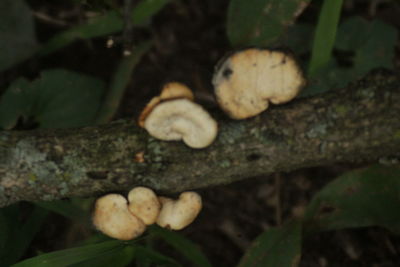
(189, 40)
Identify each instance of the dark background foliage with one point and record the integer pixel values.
(62, 65)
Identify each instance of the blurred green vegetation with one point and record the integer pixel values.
(333, 49)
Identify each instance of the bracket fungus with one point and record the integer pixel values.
(172, 90)
(177, 214)
(246, 81)
(174, 116)
(144, 204)
(112, 217)
(117, 218)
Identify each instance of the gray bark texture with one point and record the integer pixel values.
(355, 124)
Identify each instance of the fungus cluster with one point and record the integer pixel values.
(245, 82)
(126, 219)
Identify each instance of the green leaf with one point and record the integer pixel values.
(71, 256)
(261, 22)
(109, 23)
(66, 99)
(95, 238)
(185, 246)
(331, 76)
(106, 24)
(275, 247)
(64, 208)
(10, 224)
(20, 235)
(145, 10)
(12, 104)
(120, 81)
(115, 258)
(325, 34)
(144, 254)
(372, 41)
(367, 197)
(58, 99)
(17, 33)
(4, 233)
(298, 38)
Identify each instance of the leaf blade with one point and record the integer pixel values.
(20, 235)
(185, 246)
(64, 208)
(360, 198)
(325, 35)
(260, 22)
(57, 99)
(109, 23)
(119, 82)
(17, 33)
(71, 256)
(275, 247)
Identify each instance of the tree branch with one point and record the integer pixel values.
(358, 123)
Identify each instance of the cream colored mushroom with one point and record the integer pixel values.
(248, 80)
(112, 217)
(144, 204)
(176, 90)
(181, 119)
(172, 90)
(177, 214)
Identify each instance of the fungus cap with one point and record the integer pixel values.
(248, 80)
(112, 217)
(182, 119)
(144, 204)
(172, 90)
(177, 214)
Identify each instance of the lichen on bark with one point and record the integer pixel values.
(358, 123)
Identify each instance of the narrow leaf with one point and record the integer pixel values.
(261, 22)
(114, 258)
(275, 247)
(325, 34)
(64, 208)
(109, 23)
(120, 81)
(71, 256)
(145, 254)
(185, 246)
(368, 45)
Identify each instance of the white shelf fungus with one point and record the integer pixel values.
(177, 214)
(112, 217)
(174, 116)
(246, 81)
(144, 204)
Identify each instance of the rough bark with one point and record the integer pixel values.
(358, 123)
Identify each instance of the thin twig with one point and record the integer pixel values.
(50, 20)
(119, 83)
(127, 34)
